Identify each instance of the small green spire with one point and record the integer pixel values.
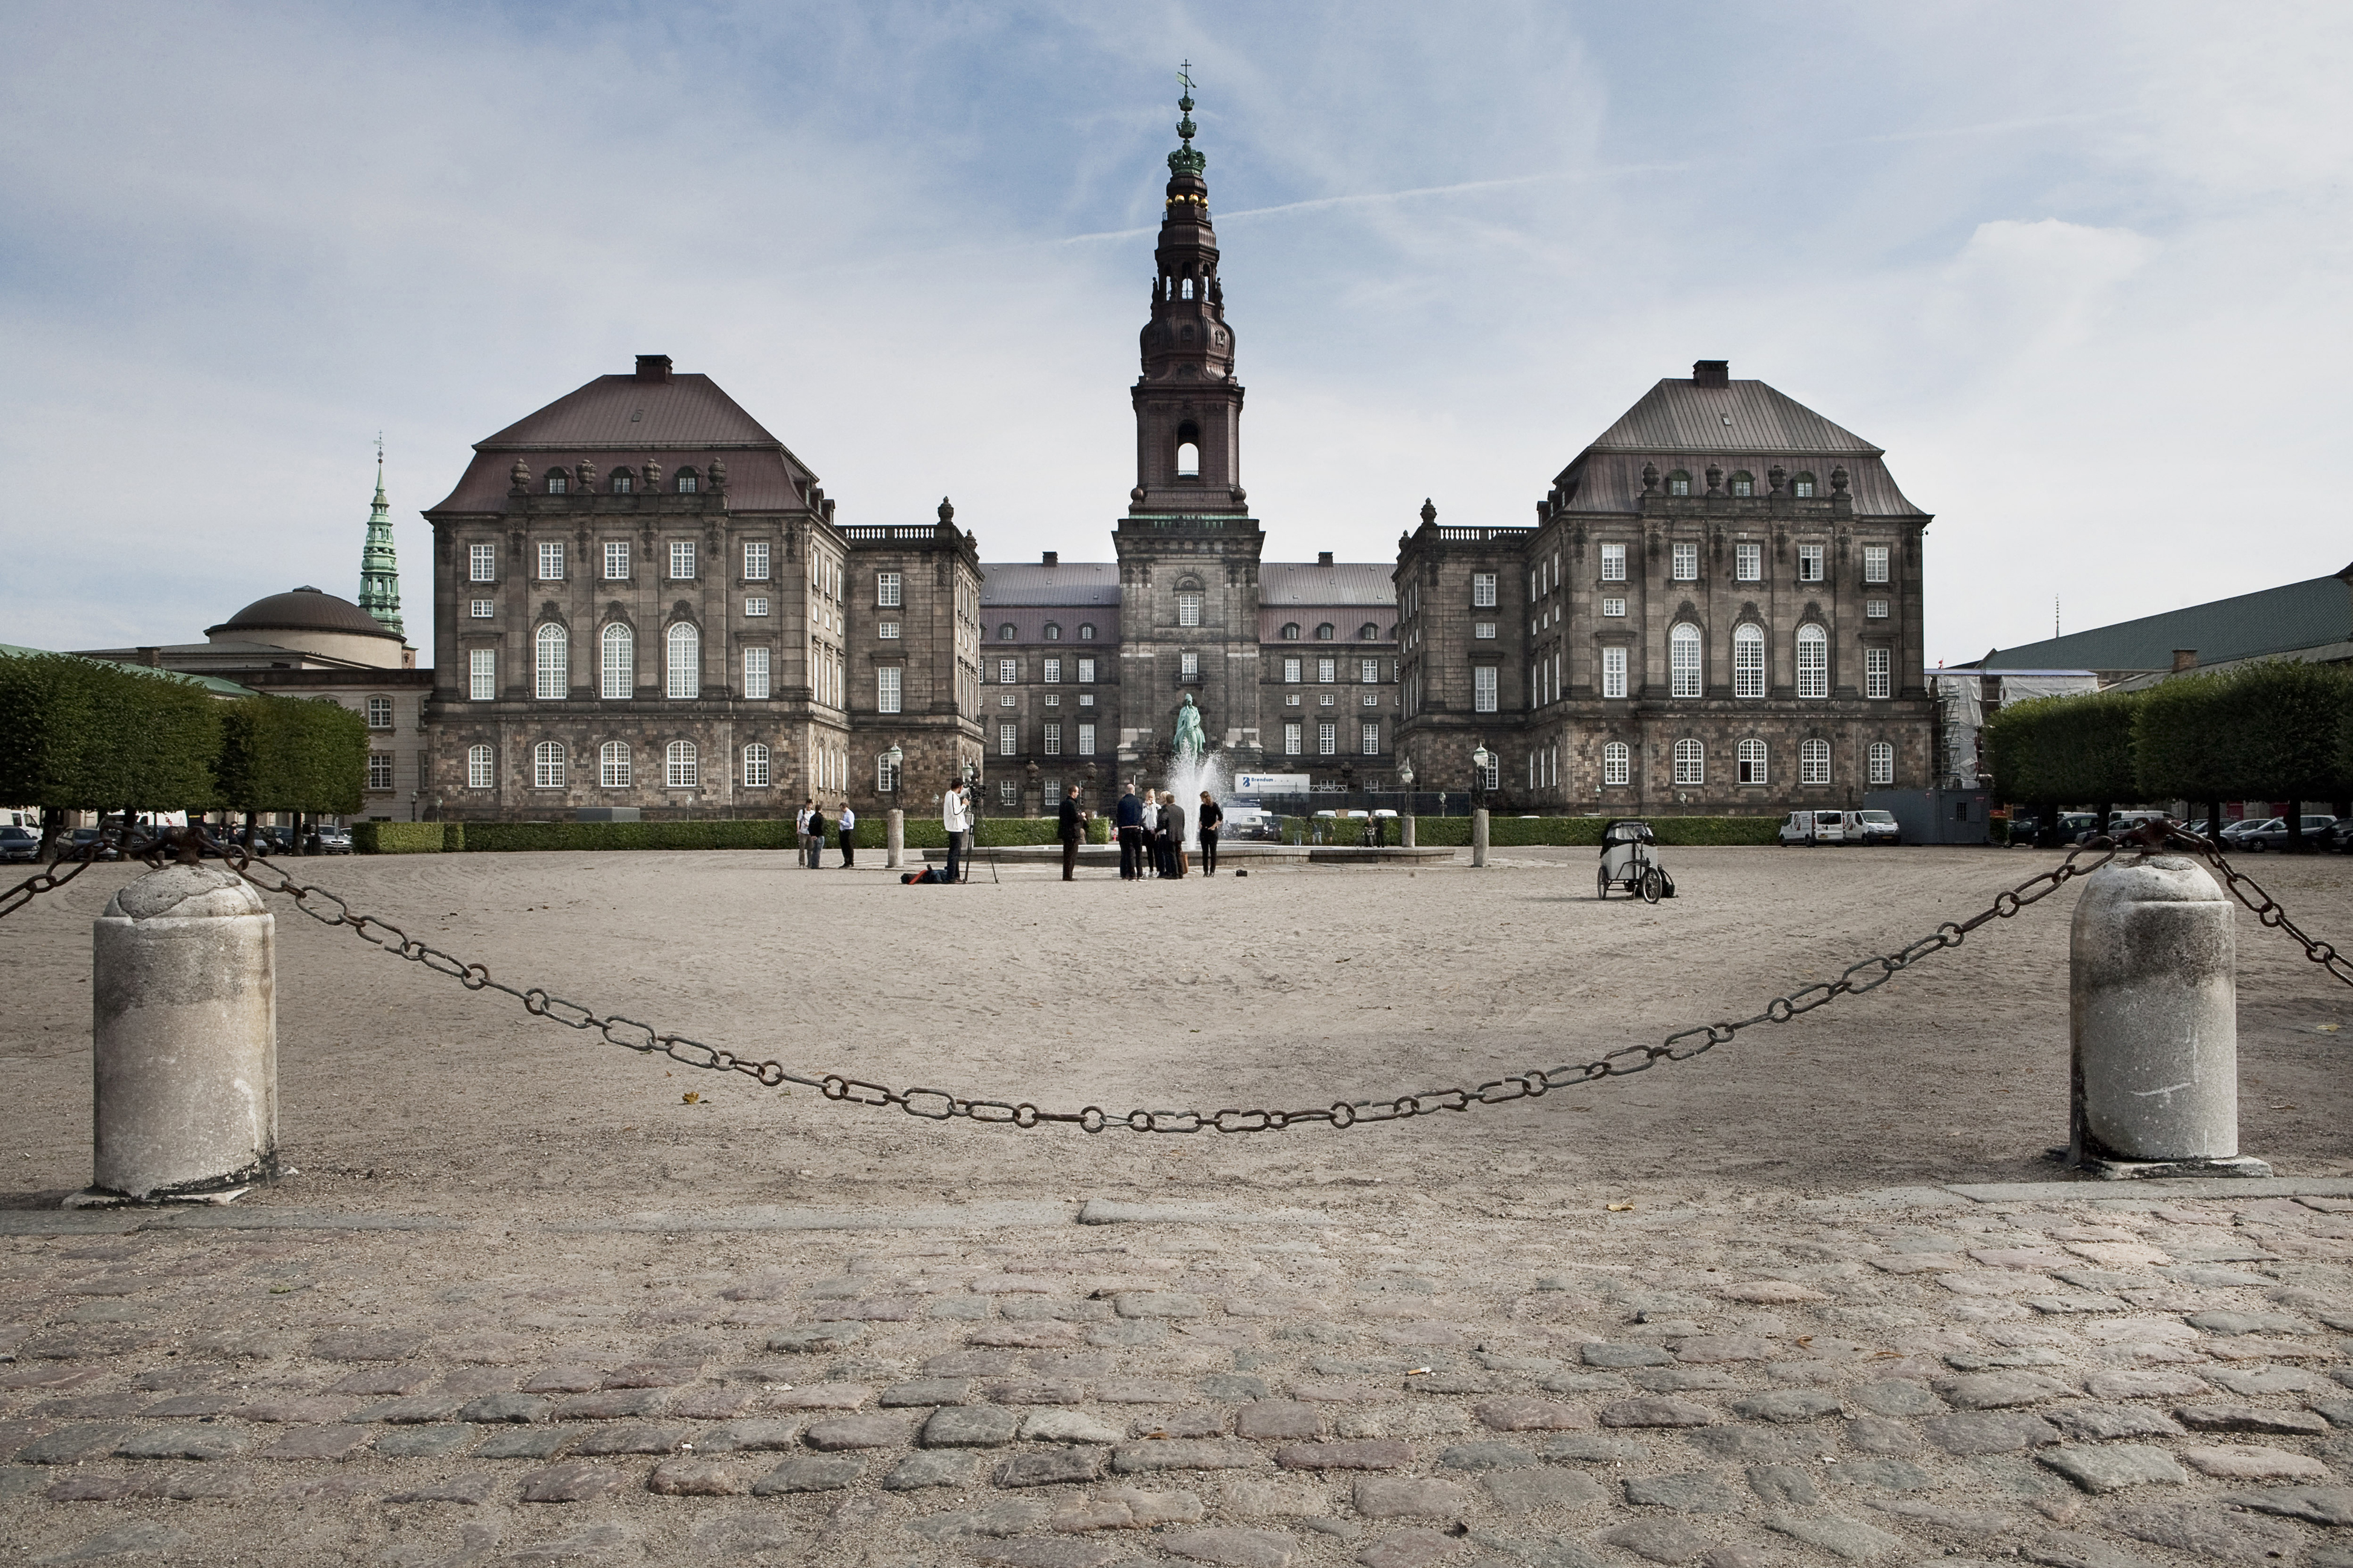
(1185, 160)
(379, 567)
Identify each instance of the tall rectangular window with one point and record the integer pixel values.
(1188, 609)
(1748, 563)
(1483, 689)
(1290, 737)
(682, 560)
(551, 562)
(1683, 660)
(1617, 763)
(1327, 739)
(1051, 742)
(1810, 564)
(887, 587)
(482, 674)
(1368, 734)
(616, 562)
(1874, 563)
(482, 563)
(1086, 740)
(1482, 590)
(1007, 672)
(1008, 741)
(1327, 670)
(379, 713)
(1291, 669)
(481, 768)
(755, 674)
(1813, 662)
(1882, 762)
(1613, 672)
(1086, 672)
(1686, 563)
(1189, 664)
(1368, 670)
(1878, 680)
(1613, 563)
(1050, 671)
(379, 770)
(886, 688)
(756, 560)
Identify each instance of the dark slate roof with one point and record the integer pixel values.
(1033, 582)
(2311, 613)
(619, 419)
(1344, 583)
(1740, 425)
(304, 610)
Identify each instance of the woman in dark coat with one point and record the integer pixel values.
(1207, 821)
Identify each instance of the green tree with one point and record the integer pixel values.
(81, 734)
(281, 754)
(2065, 750)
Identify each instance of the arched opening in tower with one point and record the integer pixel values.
(1188, 450)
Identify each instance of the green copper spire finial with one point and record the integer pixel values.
(1184, 159)
(379, 567)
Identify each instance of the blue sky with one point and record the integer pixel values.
(2080, 270)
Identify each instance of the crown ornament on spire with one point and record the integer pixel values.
(1184, 159)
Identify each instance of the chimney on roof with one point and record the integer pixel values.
(1053, 558)
(1711, 372)
(1323, 558)
(653, 367)
(152, 656)
(2184, 658)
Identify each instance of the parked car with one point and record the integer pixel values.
(2272, 835)
(2118, 822)
(75, 847)
(1250, 822)
(1814, 827)
(18, 845)
(2234, 831)
(332, 841)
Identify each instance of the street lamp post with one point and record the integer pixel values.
(1481, 761)
(1405, 823)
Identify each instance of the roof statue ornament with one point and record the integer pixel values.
(1184, 159)
(379, 566)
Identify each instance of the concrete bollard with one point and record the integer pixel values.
(894, 838)
(183, 1036)
(1407, 840)
(1479, 837)
(2154, 1021)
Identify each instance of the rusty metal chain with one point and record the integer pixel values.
(940, 1105)
(2261, 905)
(49, 879)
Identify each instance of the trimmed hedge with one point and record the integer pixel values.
(1510, 832)
(400, 837)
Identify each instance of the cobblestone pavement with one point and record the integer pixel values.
(2095, 1376)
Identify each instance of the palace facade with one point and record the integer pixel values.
(643, 599)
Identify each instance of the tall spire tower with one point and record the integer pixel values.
(379, 567)
(1187, 405)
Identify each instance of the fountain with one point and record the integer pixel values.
(1192, 766)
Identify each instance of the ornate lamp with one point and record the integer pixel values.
(1483, 759)
(894, 756)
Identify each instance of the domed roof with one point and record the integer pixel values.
(304, 610)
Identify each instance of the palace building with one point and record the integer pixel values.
(643, 599)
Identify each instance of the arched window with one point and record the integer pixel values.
(618, 663)
(1744, 483)
(1691, 763)
(612, 766)
(1188, 450)
(1678, 483)
(558, 481)
(1752, 761)
(1616, 764)
(1749, 660)
(623, 481)
(1086, 631)
(1813, 661)
(1814, 762)
(1802, 484)
(688, 482)
(1882, 762)
(756, 766)
(1053, 631)
(685, 672)
(680, 769)
(1006, 632)
(1368, 632)
(1324, 633)
(554, 662)
(547, 765)
(481, 768)
(1185, 288)
(1683, 659)
(1290, 631)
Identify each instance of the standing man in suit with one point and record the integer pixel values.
(956, 817)
(1073, 829)
(1128, 817)
(848, 836)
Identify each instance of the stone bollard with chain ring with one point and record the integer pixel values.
(1479, 837)
(1406, 822)
(183, 1038)
(894, 838)
(2153, 1019)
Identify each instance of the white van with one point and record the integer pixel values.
(1814, 827)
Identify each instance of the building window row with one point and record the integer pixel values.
(551, 766)
(1008, 632)
(1752, 763)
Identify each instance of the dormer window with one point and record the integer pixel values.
(1053, 632)
(1368, 632)
(1743, 483)
(1324, 632)
(1005, 632)
(558, 481)
(1802, 484)
(1086, 631)
(687, 482)
(1678, 483)
(623, 482)
(1290, 631)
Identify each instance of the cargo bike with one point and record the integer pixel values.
(1628, 861)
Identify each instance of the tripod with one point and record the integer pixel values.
(972, 783)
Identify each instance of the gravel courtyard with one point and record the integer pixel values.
(534, 1298)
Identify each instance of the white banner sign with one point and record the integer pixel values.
(1270, 783)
